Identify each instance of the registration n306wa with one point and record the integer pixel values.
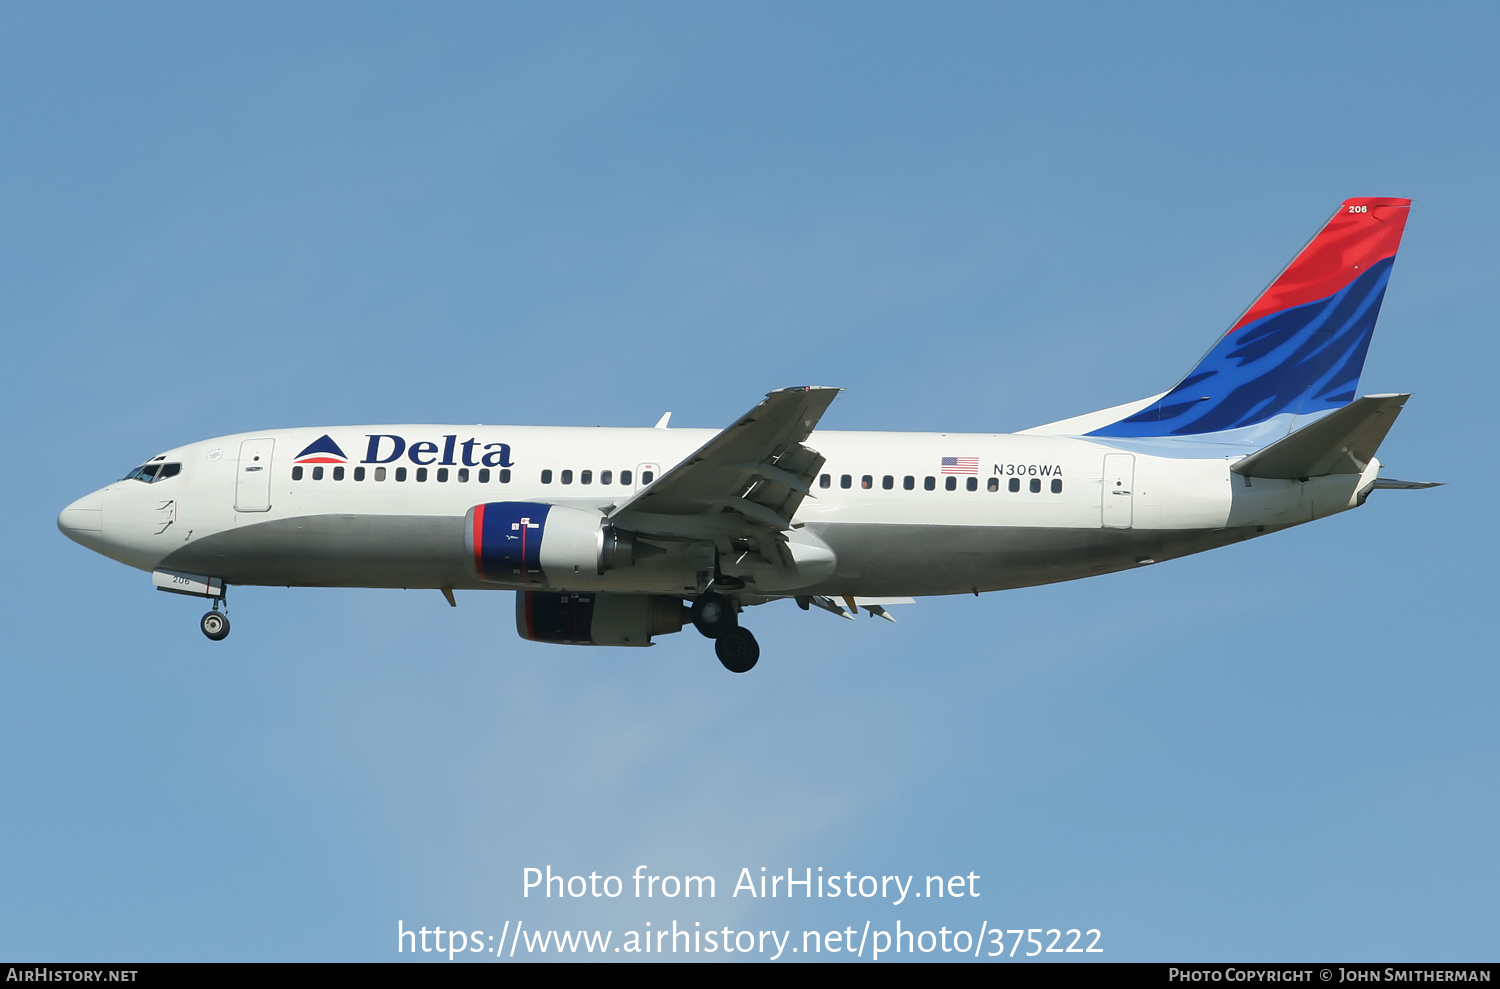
(613, 536)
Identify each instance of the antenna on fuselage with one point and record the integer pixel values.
(662, 422)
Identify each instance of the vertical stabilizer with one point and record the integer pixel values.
(1300, 347)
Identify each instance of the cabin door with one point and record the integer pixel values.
(1118, 508)
(252, 485)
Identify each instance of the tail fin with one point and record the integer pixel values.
(1301, 346)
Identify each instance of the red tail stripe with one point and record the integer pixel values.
(1361, 233)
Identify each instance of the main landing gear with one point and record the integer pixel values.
(714, 616)
(215, 624)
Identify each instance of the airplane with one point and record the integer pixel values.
(612, 536)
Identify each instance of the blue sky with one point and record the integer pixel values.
(971, 217)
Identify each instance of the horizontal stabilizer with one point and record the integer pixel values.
(1393, 484)
(1342, 442)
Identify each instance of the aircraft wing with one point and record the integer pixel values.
(748, 480)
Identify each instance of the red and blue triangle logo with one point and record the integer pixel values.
(322, 450)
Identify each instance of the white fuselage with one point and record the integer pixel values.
(1037, 509)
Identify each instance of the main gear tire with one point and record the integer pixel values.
(737, 650)
(713, 616)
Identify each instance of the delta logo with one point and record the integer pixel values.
(322, 450)
(387, 447)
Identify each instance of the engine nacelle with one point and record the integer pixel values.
(596, 618)
(524, 542)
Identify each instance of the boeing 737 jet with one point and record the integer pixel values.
(613, 536)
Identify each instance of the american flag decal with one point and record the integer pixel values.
(960, 465)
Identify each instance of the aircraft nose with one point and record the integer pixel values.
(83, 521)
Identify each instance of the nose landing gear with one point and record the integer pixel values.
(714, 616)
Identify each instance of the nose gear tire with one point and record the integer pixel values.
(215, 625)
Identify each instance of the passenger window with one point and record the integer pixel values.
(484, 475)
(647, 477)
(1036, 485)
(463, 475)
(1015, 484)
(442, 475)
(422, 474)
(504, 475)
(846, 481)
(929, 483)
(624, 477)
(1057, 485)
(586, 477)
(297, 473)
(824, 481)
(380, 473)
(972, 484)
(867, 482)
(888, 482)
(546, 477)
(909, 483)
(317, 473)
(994, 484)
(338, 473)
(951, 483)
(359, 473)
(400, 473)
(567, 477)
(605, 476)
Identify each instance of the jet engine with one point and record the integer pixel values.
(527, 542)
(596, 618)
(522, 542)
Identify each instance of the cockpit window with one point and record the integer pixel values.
(152, 472)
